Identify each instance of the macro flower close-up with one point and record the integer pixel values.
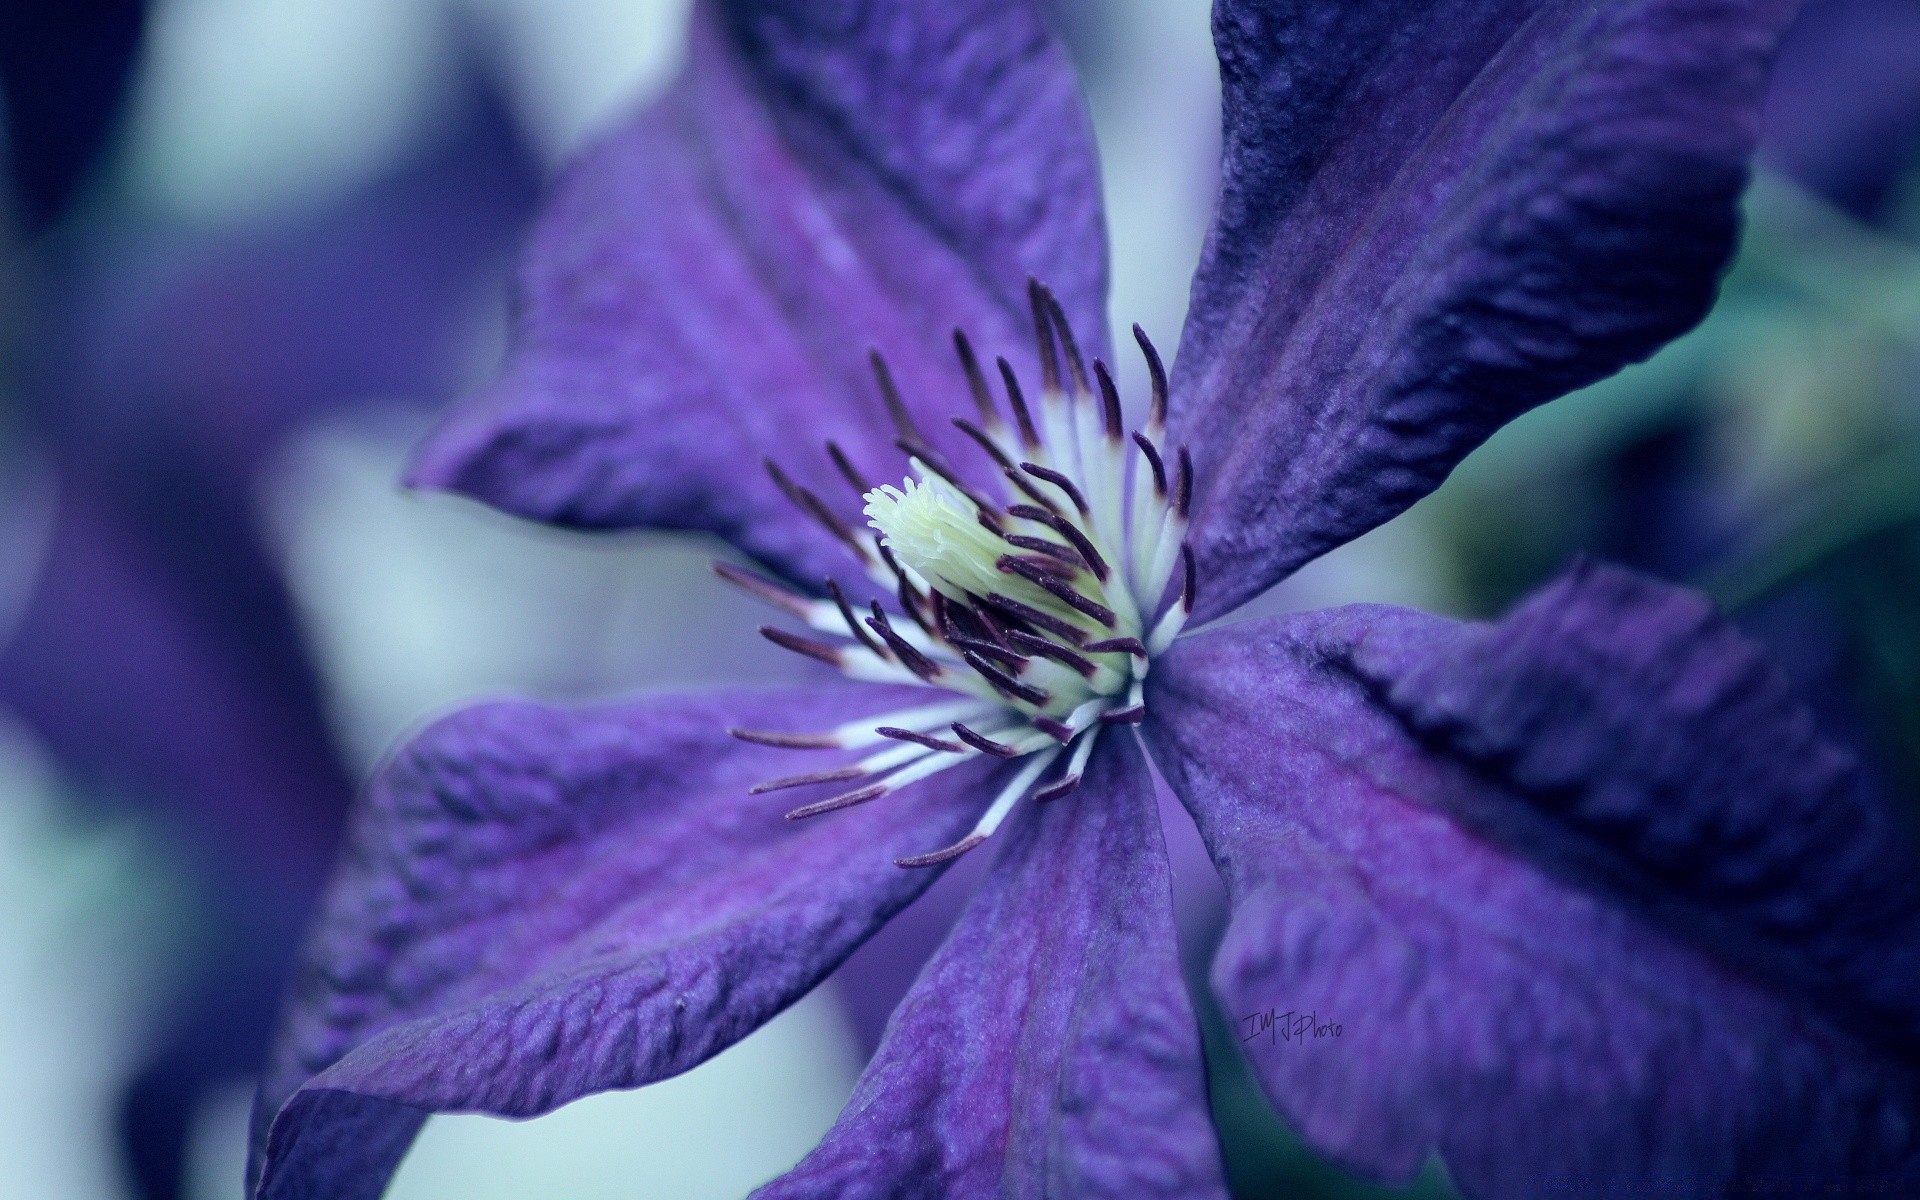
(1577, 899)
(1430, 714)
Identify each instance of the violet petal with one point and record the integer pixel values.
(1594, 906)
(1049, 1048)
(538, 903)
(1432, 218)
(822, 180)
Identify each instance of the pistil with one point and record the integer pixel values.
(1042, 606)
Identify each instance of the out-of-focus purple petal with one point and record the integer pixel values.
(63, 81)
(706, 285)
(1434, 216)
(1593, 905)
(1050, 1047)
(539, 903)
(1843, 113)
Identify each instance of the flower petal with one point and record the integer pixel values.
(1590, 900)
(708, 280)
(1049, 1048)
(1843, 114)
(538, 903)
(1433, 217)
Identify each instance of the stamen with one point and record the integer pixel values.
(847, 470)
(976, 381)
(1153, 462)
(787, 741)
(1157, 410)
(984, 744)
(1043, 337)
(1066, 554)
(1053, 650)
(1183, 486)
(1017, 401)
(830, 775)
(991, 651)
(1082, 545)
(811, 505)
(1034, 617)
(761, 588)
(831, 655)
(910, 658)
(1059, 731)
(1058, 588)
(920, 739)
(1004, 683)
(1076, 367)
(1109, 400)
(1119, 645)
(854, 628)
(939, 856)
(1060, 481)
(1131, 715)
(872, 791)
(890, 396)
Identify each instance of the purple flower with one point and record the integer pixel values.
(1589, 902)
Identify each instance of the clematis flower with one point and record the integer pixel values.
(1588, 901)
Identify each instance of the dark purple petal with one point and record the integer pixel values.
(824, 179)
(538, 903)
(1049, 1048)
(1434, 216)
(1593, 905)
(1843, 113)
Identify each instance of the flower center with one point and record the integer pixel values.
(1038, 604)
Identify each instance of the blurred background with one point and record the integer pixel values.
(248, 248)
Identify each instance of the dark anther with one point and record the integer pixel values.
(1059, 731)
(1068, 530)
(1004, 683)
(1058, 788)
(976, 380)
(1125, 716)
(1058, 480)
(811, 505)
(787, 741)
(1057, 588)
(1109, 400)
(1045, 563)
(847, 470)
(1076, 366)
(909, 658)
(939, 856)
(1157, 412)
(853, 624)
(919, 739)
(763, 589)
(792, 641)
(1034, 617)
(987, 649)
(1017, 400)
(1000, 459)
(1153, 461)
(1043, 337)
(1066, 554)
(1188, 582)
(830, 775)
(1043, 648)
(911, 601)
(890, 395)
(1183, 485)
(982, 743)
(872, 791)
(1121, 645)
(988, 624)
